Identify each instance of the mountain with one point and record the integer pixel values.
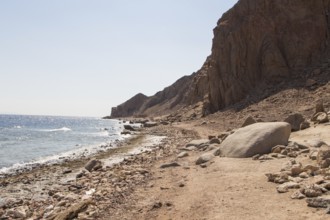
(256, 44)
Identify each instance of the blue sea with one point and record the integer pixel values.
(30, 140)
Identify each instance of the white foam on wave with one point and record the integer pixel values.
(58, 129)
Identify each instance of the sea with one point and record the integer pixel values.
(29, 140)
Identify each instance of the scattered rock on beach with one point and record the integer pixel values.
(206, 157)
(197, 143)
(323, 157)
(183, 154)
(304, 125)
(249, 121)
(295, 121)
(320, 117)
(93, 165)
(319, 106)
(129, 127)
(73, 211)
(167, 165)
(297, 195)
(258, 138)
(150, 124)
(319, 202)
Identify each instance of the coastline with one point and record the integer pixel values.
(37, 189)
(141, 187)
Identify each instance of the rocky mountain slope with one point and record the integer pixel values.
(257, 44)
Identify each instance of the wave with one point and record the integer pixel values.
(58, 129)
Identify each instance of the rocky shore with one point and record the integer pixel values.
(195, 172)
(85, 187)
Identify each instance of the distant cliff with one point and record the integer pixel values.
(257, 41)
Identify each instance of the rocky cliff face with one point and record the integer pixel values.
(261, 40)
(257, 41)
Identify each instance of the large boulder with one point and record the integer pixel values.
(258, 138)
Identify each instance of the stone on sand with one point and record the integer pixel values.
(258, 138)
(295, 120)
(249, 121)
(93, 165)
(197, 143)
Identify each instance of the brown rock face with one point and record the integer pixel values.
(259, 40)
(256, 42)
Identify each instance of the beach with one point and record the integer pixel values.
(154, 183)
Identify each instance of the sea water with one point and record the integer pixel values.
(26, 141)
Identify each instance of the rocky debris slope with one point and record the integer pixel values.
(256, 45)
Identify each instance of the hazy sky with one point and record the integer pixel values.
(81, 57)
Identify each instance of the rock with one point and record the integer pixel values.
(190, 148)
(265, 157)
(319, 202)
(258, 138)
(312, 191)
(205, 158)
(315, 143)
(310, 168)
(150, 124)
(215, 141)
(278, 177)
(303, 175)
(203, 165)
(278, 149)
(319, 106)
(183, 154)
(310, 82)
(295, 120)
(8, 202)
(80, 174)
(167, 165)
(164, 123)
(129, 127)
(125, 132)
(197, 143)
(284, 187)
(16, 213)
(288, 165)
(93, 165)
(313, 154)
(320, 117)
(223, 135)
(157, 205)
(296, 169)
(297, 195)
(73, 211)
(323, 157)
(293, 154)
(66, 171)
(256, 157)
(304, 125)
(249, 121)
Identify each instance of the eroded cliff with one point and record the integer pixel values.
(256, 42)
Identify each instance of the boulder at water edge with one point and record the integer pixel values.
(258, 138)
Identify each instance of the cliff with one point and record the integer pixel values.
(256, 42)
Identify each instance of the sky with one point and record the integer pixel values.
(82, 57)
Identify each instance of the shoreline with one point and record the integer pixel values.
(141, 187)
(35, 189)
